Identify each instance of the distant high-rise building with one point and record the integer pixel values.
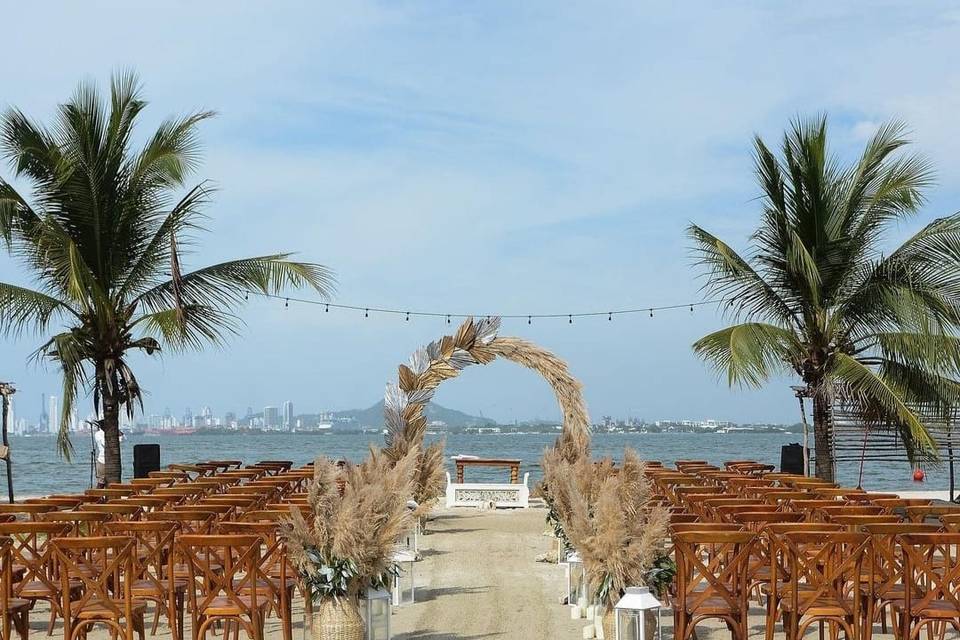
(44, 418)
(288, 414)
(53, 421)
(229, 419)
(271, 417)
(11, 422)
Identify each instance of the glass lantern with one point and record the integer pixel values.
(404, 584)
(576, 580)
(637, 615)
(410, 540)
(376, 612)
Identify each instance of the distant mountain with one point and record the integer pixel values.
(373, 416)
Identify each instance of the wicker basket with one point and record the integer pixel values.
(336, 620)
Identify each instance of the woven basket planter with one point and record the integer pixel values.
(336, 620)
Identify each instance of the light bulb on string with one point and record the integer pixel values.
(448, 318)
(408, 316)
(529, 319)
(651, 313)
(691, 308)
(286, 303)
(366, 313)
(610, 316)
(570, 317)
(327, 310)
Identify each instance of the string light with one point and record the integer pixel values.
(529, 316)
(286, 304)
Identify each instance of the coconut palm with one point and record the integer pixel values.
(102, 234)
(818, 297)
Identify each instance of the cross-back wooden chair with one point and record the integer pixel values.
(712, 585)
(104, 566)
(13, 610)
(240, 503)
(171, 476)
(825, 582)
(117, 511)
(857, 521)
(811, 505)
(153, 577)
(225, 465)
(869, 496)
(277, 465)
(30, 549)
(276, 577)
(778, 576)
(231, 594)
(182, 493)
(932, 578)
(82, 523)
(888, 567)
(950, 522)
(710, 506)
(146, 484)
(784, 498)
(26, 511)
(265, 515)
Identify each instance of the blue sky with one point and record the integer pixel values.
(487, 157)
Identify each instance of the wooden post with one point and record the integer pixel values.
(7, 390)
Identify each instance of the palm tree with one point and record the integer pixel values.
(817, 296)
(102, 233)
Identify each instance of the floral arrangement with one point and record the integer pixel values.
(344, 544)
(612, 521)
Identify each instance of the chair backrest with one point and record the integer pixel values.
(827, 566)
(273, 551)
(951, 522)
(266, 515)
(757, 520)
(931, 570)
(222, 566)
(190, 522)
(153, 557)
(103, 566)
(28, 511)
(713, 564)
(110, 494)
(888, 564)
(146, 503)
(118, 511)
(58, 502)
(920, 513)
(857, 521)
(82, 523)
(30, 548)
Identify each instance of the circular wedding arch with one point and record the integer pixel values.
(476, 342)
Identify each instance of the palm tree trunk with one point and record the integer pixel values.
(823, 436)
(111, 435)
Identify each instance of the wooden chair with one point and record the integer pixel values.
(147, 503)
(104, 566)
(265, 515)
(888, 567)
(57, 502)
(30, 549)
(15, 610)
(153, 577)
(147, 484)
(182, 493)
(109, 494)
(231, 594)
(856, 522)
(932, 579)
(190, 522)
(951, 522)
(717, 588)
(825, 581)
(277, 579)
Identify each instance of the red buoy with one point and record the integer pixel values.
(919, 475)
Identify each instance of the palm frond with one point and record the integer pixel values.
(862, 381)
(189, 327)
(749, 353)
(23, 310)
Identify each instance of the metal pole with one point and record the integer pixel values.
(801, 393)
(7, 390)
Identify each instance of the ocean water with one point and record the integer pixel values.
(39, 471)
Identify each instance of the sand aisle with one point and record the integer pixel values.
(478, 579)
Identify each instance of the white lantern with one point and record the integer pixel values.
(576, 580)
(637, 615)
(404, 585)
(411, 539)
(376, 612)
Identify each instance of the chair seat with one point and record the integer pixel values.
(151, 588)
(40, 589)
(935, 609)
(820, 607)
(224, 606)
(16, 605)
(713, 605)
(98, 610)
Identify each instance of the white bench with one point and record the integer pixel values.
(505, 495)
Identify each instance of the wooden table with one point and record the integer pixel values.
(512, 463)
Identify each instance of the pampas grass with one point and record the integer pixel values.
(354, 533)
(610, 518)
